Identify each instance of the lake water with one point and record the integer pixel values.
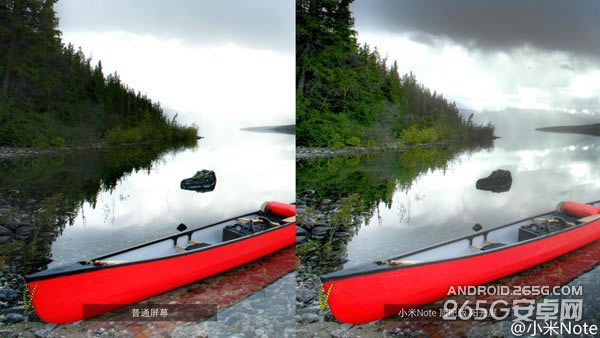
(443, 203)
(422, 197)
(147, 204)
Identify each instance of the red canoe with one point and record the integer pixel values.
(105, 283)
(381, 289)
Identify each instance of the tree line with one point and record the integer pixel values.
(348, 95)
(52, 95)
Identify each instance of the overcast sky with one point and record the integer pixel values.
(227, 60)
(493, 55)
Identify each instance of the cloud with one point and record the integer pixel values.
(566, 67)
(523, 77)
(550, 25)
(264, 24)
(492, 55)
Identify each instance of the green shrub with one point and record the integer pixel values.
(414, 135)
(353, 141)
(57, 141)
(119, 135)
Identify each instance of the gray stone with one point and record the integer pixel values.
(7, 333)
(305, 295)
(13, 318)
(203, 181)
(308, 309)
(13, 223)
(8, 295)
(24, 230)
(16, 309)
(320, 230)
(310, 318)
(498, 181)
(342, 234)
(5, 232)
(300, 231)
(4, 239)
(484, 331)
(307, 223)
(346, 326)
(300, 239)
(43, 333)
(49, 326)
(339, 333)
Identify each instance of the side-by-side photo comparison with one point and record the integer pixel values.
(299, 168)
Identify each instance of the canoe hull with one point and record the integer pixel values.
(362, 298)
(61, 299)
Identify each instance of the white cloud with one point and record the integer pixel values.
(524, 77)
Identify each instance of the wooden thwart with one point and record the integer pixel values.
(551, 220)
(108, 262)
(242, 219)
(589, 218)
(392, 262)
(249, 220)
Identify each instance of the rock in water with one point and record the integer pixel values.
(203, 181)
(498, 181)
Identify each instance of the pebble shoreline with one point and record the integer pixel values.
(303, 153)
(16, 152)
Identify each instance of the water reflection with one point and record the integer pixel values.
(420, 202)
(122, 198)
(252, 168)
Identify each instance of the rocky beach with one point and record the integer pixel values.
(303, 153)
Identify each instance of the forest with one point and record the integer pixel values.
(348, 95)
(52, 95)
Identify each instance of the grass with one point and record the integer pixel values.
(416, 135)
(146, 132)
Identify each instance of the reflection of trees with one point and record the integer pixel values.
(59, 186)
(359, 184)
(374, 177)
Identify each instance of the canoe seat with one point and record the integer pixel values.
(193, 245)
(488, 246)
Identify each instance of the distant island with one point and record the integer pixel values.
(51, 95)
(285, 129)
(586, 129)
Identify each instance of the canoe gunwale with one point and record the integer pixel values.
(79, 268)
(363, 270)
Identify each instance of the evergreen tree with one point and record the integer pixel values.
(347, 95)
(50, 93)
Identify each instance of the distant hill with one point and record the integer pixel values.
(286, 129)
(587, 129)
